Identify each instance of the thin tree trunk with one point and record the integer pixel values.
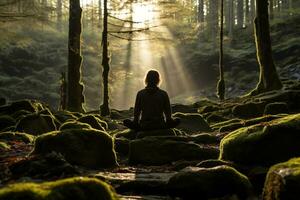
(105, 63)
(268, 79)
(59, 14)
(271, 8)
(201, 11)
(75, 97)
(221, 82)
(240, 13)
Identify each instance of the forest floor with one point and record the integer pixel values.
(213, 140)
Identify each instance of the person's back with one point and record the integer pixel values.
(152, 108)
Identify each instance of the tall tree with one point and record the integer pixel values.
(105, 63)
(75, 98)
(59, 14)
(221, 82)
(268, 78)
(240, 13)
(201, 11)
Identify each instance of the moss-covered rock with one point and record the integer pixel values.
(79, 188)
(16, 136)
(184, 108)
(159, 150)
(6, 121)
(122, 146)
(20, 114)
(214, 163)
(283, 181)
(93, 122)
(206, 183)
(215, 118)
(85, 147)
(74, 125)
(204, 138)
(276, 108)
(36, 124)
(64, 116)
(192, 122)
(4, 146)
(127, 133)
(161, 132)
(264, 143)
(43, 166)
(248, 110)
(27, 105)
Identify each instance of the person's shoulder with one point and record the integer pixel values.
(163, 91)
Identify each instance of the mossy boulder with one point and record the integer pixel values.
(159, 150)
(16, 136)
(27, 105)
(249, 110)
(74, 125)
(93, 122)
(85, 147)
(283, 181)
(276, 108)
(36, 124)
(215, 118)
(42, 166)
(64, 116)
(192, 122)
(184, 108)
(20, 114)
(6, 121)
(263, 144)
(160, 132)
(79, 188)
(207, 183)
(122, 145)
(127, 133)
(214, 163)
(4, 146)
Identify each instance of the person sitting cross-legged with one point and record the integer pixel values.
(152, 108)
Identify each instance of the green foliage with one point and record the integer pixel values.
(85, 147)
(263, 144)
(81, 188)
(209, 183)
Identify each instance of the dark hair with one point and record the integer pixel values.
(152, 78)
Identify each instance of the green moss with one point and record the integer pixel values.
(161, 132)
(85, 147)
(192, 122)
(216, 126)
(4, 146)
(13, 136)
(93, 122)
(208, 183)
(215, 118)
(6, 121)
(248, 110)
(64, 116)
(80, 188)
(164, 150)
(283, 181)
(276, 108)
(265, 143)
(127, 133)
(36, 124)
(74, 125)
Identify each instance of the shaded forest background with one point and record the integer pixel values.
(34, 37)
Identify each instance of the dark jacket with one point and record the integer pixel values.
(152, 106)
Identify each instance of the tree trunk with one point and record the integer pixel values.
(231, 19)
(252, 11)
(221, 82)
(271, 8)
(240, 13)
(268, 79)
(105, 63)
(200, 11)
(75, 97)
(59, 14)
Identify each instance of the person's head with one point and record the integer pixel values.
(152, 78)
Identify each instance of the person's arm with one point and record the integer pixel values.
(137, 108)
(167, 107)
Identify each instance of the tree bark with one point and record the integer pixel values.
(201, 11)
(240, 13)
(271, 9)
(75, 97)
(231, 19)
(105, 63)
(268, 79)
(221, 82)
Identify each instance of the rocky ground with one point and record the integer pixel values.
(243, 148)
